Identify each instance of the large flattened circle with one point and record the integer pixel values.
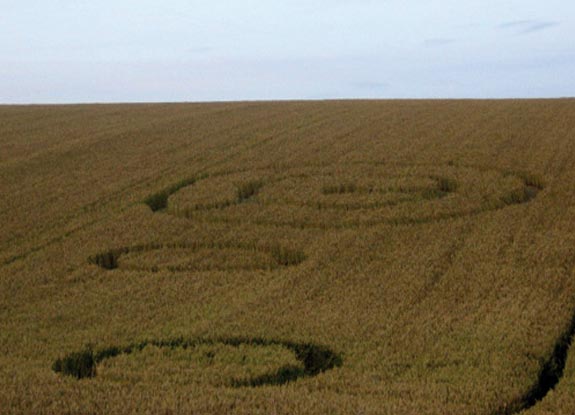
(256, 361)
(352, 194)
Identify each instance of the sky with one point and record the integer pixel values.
(69, 51)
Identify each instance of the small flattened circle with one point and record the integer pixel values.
(194, 257)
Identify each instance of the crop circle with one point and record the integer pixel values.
(351, 194)
(307, 359)
(193, 257)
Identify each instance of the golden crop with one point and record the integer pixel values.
(343, 257)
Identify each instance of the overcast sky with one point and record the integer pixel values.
(204, 50)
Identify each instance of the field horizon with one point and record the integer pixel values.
(55, 104)
(366, 256)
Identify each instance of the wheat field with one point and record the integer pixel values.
(336, 257)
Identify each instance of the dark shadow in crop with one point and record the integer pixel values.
(78, 364)
(315, 359)
(248, 190)
(549, 376)
(159, 201)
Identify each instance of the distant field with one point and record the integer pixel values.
(339, 257)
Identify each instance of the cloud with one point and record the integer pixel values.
(523, 27)
(440, 41)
